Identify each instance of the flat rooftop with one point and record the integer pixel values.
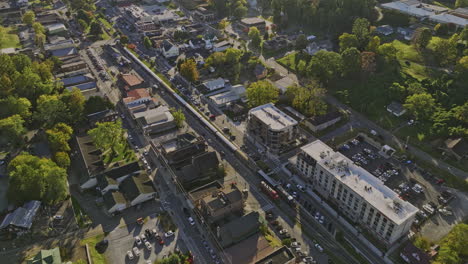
(362, 182)
(273, 117)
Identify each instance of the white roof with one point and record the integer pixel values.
(410, 8)
(56, 26)
(214, 84)
(273, 117)
(234, 94)
(156, 115)
(359, 180)
(448, 18)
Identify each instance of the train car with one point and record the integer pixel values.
(269, 190)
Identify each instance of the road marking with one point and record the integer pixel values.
(267, 207)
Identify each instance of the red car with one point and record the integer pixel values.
(212, 117)
(160, 240)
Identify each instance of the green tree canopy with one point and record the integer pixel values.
(188, 69)
(361, 28)
(421, 37)
(179, 117)
(15, 106)
(348, 41)
(255, 37)
(326, 65)
(12, 128)
(147, 42)
(351, 62)
(58, 137)
(420, 105)
(51, 110)
(29, 17)
(374, 44)
(261, 92)
(96, 104)
(95, 28)
(308, 99)
(301, 42)
(107, 136)
(34, 178)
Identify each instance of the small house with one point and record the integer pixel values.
(396, 109)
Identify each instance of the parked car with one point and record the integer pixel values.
(169, 234)
(136, 251)
(129, 255)
(138, 241)
(191, 221)
(160, 240)
(148, 245)
(318, 247)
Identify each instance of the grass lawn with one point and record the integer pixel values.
(407, 52)
(289, 61)
(95, 256)
(9, 39)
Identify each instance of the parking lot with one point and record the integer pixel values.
(413, 184)
(129, 239)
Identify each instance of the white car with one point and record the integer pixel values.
(129, 255)
(283, 231)
(148, 245)
(169, 234)
(138, 241)
(143, 237)
(295, 244)
(191, 221)
(136, 251)
(410, 122)
(322, 219)
(318, 247)
(58, 217)
(317, 216)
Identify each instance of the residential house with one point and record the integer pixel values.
(50, 256)
(137, 189)
(322, 122)
(222, 46)
(456, 147)
(168, 49)
(260, 71)
(114, 201)
(356, 193)
(270, 127)
(247, 23)
(73, 66)
(131, 81)
(107, 115)
(118, 172)
(48, 18)
(196, 43)
(203, 167)
(215, 84)
(57, 29)
(10, 11)
(90, 159)
(203, 14)
(235, 94)
(155, 120)
(384, 30)
(136, 97)
(20, 220)
(396, 109)
(407, 33)
(182, 148)
(222, 203)
(278, 42)
(413, 255)
(76, 80)
(64, 52)
(282, 255)
(239, 229)
(315, 47)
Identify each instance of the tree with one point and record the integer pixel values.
(326, 65)
(96, 104)
(421, 38)
(188, 69)
(83, 24)
(453, 245)
(223, 24)
(12, 128)
(58, 137)
(107, 136)
(124, 40)
(75, 102)
(374, 44)
(29, 17)
(460, 113)
(441, 29)
(21, 62)
(387, 51)
(51, 110)
(422, 243)
(15, 106)
(444, 51)
(255, 37)
(308, 99)
(261, 92)
(179, 117)
(416, 88)
(351, 62)
(40, 39)
(461, 3)
(34, 178)
(464, 34)
(147, 42)
(361, 30)
(95, 28)
(301, 42)
(368, 62)
(348, 41)
(38, 28)
(420, 105)
(62, 159)
(239, 11)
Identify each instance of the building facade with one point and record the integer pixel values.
(271, 127)
(358, 194)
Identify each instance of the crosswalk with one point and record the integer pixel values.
(267, 207)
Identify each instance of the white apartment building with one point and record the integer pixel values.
(271, 127)
(358, 194)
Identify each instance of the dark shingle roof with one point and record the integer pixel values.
(133, 186)
(22, 216)
(112, 198)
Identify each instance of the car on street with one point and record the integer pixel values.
(148, 245)
(322, 219)
(58, 217)
(129, 255)
(136, 251)
(138, 241)
(191, 221)
(318, 247)
(169, 234)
